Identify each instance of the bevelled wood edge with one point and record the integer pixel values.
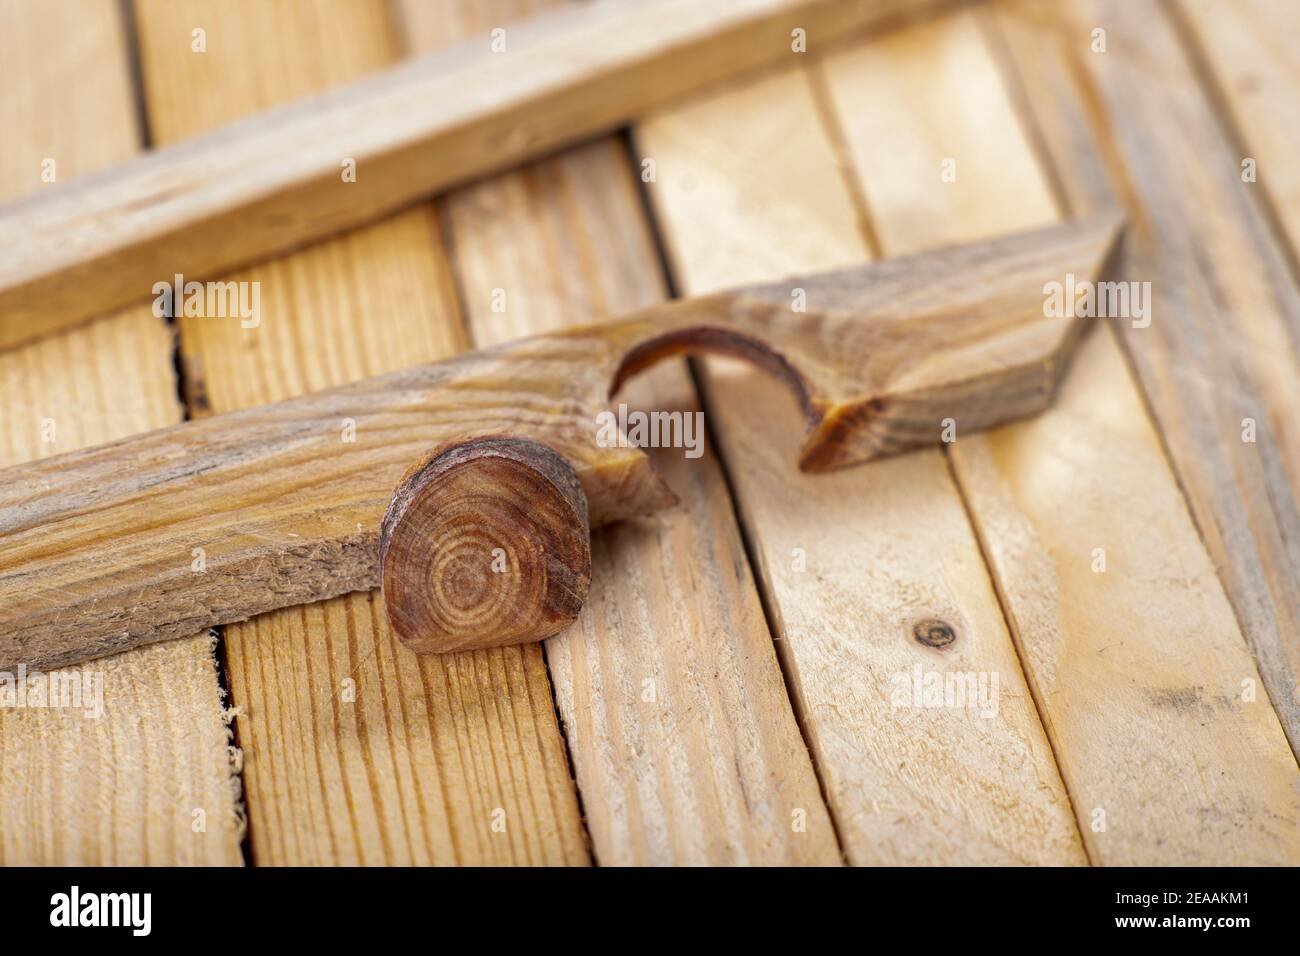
(216, 520)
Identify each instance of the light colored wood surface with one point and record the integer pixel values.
(1148, 688)
(934, 141)
(1221, 347)
(425, 759)
(1254, 71)
(751, 182)
(275, 182)
(281, 504)
(1151, 732)
(682, 738)
(455, 759)
(123, 787)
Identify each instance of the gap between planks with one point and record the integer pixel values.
(431, 752)
(672, 600)
(750, 184)
(1252, 785)
(131, 41)
(125, 788)
(1227, 751)
(770, 613)
(1038, 505)
(1126, 122)
(1237, 67)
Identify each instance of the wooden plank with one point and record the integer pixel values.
(872, 560)
(150, 780)
(939, 154)
(432, 752)
(682, 738)
(273, 182)
(289, 509)
(1166, 737)
(1165, 763)
(1254, 73)
(1222, 350)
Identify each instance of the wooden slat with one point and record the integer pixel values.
(683, 741)
(1249, 47)
(270, 184)
(122, 788)
(289, 511)
(434, 750)
(1151, 732)
(750, 185)
(1223, 345)
(930, 95)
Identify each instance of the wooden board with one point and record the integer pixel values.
(1182, 763)
(1246, 59)
(682, 738)
(1164, 761)
(750, 183)
(284, 501)
(272, 183)
(357, 750)
(151, 780)
(1221, 347)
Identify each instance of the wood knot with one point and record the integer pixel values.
(933, 633)
(485, 544)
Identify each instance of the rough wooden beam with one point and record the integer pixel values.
(277, 181)
(673, 624)
(147, 777)
(283, 501)
(356, 751)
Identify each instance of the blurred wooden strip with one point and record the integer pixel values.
(856, 564)
(1249, 47)
(1220, 359)
(357, 750)
(682, 737)
(150, 781)
(275, 182)
(1137, 662)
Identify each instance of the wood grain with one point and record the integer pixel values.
(357, 751)
(751, 182)
(485, 544)
(281, 504)
(275, 182)
(1223, 344)
(1254, 72)
(682, 739)
(150, 780)
(1164, 761)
